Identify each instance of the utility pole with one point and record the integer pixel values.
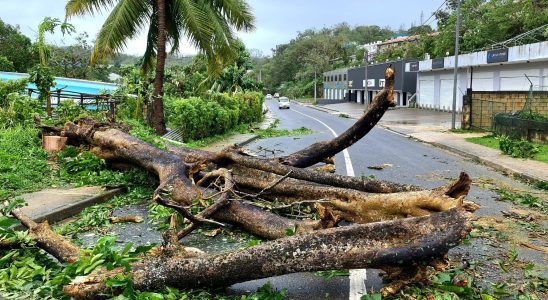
(315, 89)
(365, 93)
(455, 71)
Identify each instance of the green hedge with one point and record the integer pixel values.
(214, 114)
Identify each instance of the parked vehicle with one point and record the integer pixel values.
(283, 102)
(268, 96)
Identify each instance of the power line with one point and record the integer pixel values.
(434, 13)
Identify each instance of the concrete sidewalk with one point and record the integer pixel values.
(57, 204)
(433, 127)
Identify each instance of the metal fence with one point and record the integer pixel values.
(90, 102)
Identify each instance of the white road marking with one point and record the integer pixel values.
(357, 277)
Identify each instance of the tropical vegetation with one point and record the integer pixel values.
(206, 24)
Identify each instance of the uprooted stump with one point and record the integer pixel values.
(394, 225)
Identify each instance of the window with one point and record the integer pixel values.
(344, 77)
(340, 77)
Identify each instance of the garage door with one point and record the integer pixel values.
(426, 91)
(446, 94)
(482, 81)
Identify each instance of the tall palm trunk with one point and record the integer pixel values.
(156, 109)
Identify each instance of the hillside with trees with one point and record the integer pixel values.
(290, 71)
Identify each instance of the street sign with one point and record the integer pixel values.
(497, 56)
(414, 66)
(437, 63)
(381, 83)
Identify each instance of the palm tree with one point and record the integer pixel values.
(207, 24)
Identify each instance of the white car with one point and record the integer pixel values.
(283, 103)
(268, 96)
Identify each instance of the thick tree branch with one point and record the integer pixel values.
(400, 242)
(45, 238)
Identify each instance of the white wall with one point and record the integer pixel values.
(435, 88)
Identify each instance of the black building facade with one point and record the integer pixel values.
(405, 83)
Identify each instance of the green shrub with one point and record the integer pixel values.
(23, 162)
(12, 86)
(198, 118)
(517, 148)
(16, 108)
(531, 115)
(68, 110)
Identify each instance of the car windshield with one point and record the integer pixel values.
(284, 100)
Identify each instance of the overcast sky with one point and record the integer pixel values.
(277, 21)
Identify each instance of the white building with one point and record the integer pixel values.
(494, 70)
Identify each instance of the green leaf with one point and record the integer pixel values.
(8, 222)
(376, 296)
(290, 231)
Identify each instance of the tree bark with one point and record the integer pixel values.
(156, 106)
(229, 157)
(376, 245)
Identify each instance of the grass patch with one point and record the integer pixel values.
(274, 132)
(23, 162)
(493, 142)
(308, 100)
(344, 115)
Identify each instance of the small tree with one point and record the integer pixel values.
(41, 74)
(6, 65)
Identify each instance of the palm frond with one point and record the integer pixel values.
(192, 18)
(238, 13)
(124, 22)
(84, 7)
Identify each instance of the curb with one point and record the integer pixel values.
(488, 163)
(69, 210)
(248, 141)
(324, 109)
(493, 165)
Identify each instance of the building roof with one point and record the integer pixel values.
(402, 39)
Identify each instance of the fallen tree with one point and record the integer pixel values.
(395, 225)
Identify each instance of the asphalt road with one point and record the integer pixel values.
(409, 162)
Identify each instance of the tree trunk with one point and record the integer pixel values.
(377, 245)
(156, 105)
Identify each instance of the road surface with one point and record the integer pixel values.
(408, 161)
